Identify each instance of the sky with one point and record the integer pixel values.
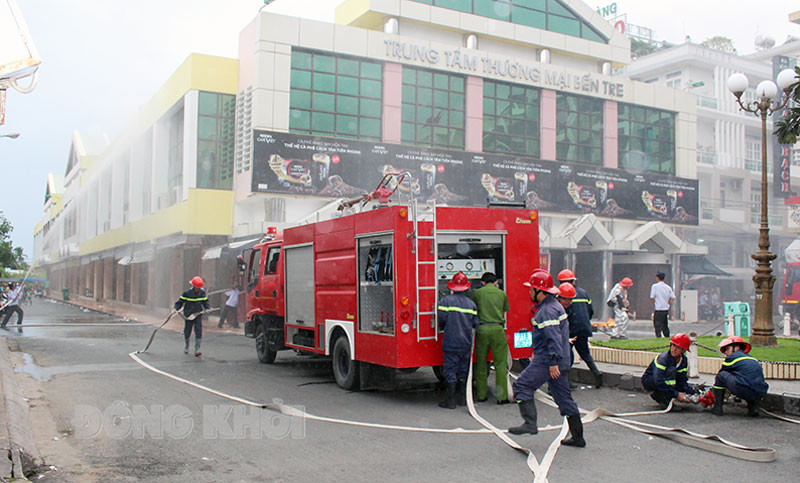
(103, 59)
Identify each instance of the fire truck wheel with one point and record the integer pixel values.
(265, 354)
(438, 371)
(345, 369)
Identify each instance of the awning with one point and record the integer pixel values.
(700, 265)
(235, 247)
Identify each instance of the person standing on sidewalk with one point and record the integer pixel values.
(457, 316)
(14, 295)
(230, 308)
(662, 296)
(579, 314)
(618, 300)
(193, 301)
(550, 362)
(492, 305)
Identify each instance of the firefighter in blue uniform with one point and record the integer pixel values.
(457, 316)
(550, 363)
(740, 374)
(193, 301)
(667, 377)
(580, 314)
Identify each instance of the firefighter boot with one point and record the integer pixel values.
(598, 376)
(528, 411)
(450, 396)
(461, 393)
(576, 430)
(719, 395)
(197, 352)
(752, 407)
(186, 345)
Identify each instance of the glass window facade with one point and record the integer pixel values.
(215, 136)
(549, 15)
(334, 95)
(433, 108)
(646, 139)
(579, 129)
(511, 119)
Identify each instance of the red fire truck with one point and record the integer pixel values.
(363, 288)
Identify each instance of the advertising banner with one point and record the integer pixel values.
(782, 176)
(332, 167)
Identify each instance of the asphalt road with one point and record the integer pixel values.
(99, 416)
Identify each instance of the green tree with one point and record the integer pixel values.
(788, 128)
(640, 48)
(10, 257)
(718, 42)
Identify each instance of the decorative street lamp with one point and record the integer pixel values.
(763, 330)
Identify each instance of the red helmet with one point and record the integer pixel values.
(734, 339)
(681, 340)
(566, 290)
(566, 275)
(626, 282)
(196, 282)
(542, 280)
(459, 283)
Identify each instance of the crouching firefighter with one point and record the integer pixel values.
(457, 315)
(667, 376)
(551, 361)
(740, 374)
(193, 301)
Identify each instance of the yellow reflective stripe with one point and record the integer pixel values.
(581, 300)
(655, 361)
(193, 300)
(685, 369)
(670, 382)
(458, 309)
(739, 359)
(717, 387)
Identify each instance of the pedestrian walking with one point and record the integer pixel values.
(492, 305)
(662, 296)
(741, 374)
(457, 316)
(618, 300)
(667, 377)
(193, 301)
(550, 363)
(13, 298)
(231, 308)
(579, 314)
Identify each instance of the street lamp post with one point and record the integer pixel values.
(763, 330)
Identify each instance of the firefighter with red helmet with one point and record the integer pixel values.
(579, 314)
(193, 301)
(618, 300)
(741, 374)
(667, 377)
(550, 363)
(457, 316)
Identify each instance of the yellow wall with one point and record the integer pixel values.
(206, 212)
(357, 13)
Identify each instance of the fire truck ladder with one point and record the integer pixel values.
(429, 258)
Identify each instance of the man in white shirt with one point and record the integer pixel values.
(230, 308)
(13, 296)
(662, 296)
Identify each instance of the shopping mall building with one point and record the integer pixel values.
(481, 101)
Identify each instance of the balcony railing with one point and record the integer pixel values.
(706, 157)
(709, 102)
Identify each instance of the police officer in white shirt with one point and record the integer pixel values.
(662, 296)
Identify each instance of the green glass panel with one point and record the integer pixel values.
(597, 156)
(572, 135)
(532, 148)
(324, 82)
(537, 4)
(424, 78)
(228, 105)
(503, 108)
(499, 10)
(456, 119)
(554, 6)
(424, 114)
(440, 99)
(301, 99)
(409, 94)
(532, 113)
(584, 121)
(347, 66)
(347, 85)
(488, 106)
(409, 76)
(532, 96)
(637, 144)
(456, 101)
(324, 63)
(589, 34)
(623, 112)
(370, 129)
(371, 70)
(489, 141)
(502, 125)
(457, 138)
(346, 124)
(584, 137)
(301, 60)
(301, 79)
(532, 129)
(424, 96)
(597, 141)
(517, 128)
(531, 18)
(207, 103)
(637, 114)
(488, 124)
(623, 129)
(518, 145)
(300, 119)
(564, 25)
(457, 83)
(207, 127)
(488, 88)
(323, 102)
(322, 122)
(460, 5)
(409, 112)
(206, 164)
(371, 107)
(371, 88)
(572, 103)
(227, 128)
(503, 91)
(424, 134)
(347, 105)
(441, 81)
(407, 132)
(561, 151)
(652, 116)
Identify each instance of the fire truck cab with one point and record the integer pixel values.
(363, 288)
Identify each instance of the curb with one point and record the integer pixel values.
(15, 421)
(782, 403)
